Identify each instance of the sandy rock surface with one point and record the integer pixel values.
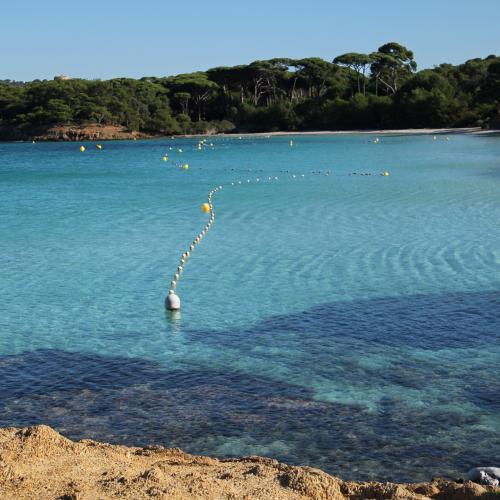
(37, 462)
(91, 132)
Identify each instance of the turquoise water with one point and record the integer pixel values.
(348, 322)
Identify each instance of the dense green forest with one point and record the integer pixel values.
(354, 91)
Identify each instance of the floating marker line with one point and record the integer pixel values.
(172, 301)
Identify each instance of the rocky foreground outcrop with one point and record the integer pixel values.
(37, 462)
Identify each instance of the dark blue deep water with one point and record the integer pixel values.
(348, 322)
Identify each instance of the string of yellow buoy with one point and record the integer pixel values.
(172, 301)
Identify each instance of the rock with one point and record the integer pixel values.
(425, 489)
(90, 132)
(450, 490)
(489, 476)
(37, 462)
(311, 483)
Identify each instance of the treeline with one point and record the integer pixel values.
(354, 91)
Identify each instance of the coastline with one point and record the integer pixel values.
(96, 133)
(407, 131)
(38, 462)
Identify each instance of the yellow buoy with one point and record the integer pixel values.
(385, 174)
(165, 158)
(185, 166)
(205, 208)
(82, 148)
(98, 146)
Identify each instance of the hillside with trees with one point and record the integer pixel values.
(379, 90)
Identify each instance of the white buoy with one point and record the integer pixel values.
(172, 301)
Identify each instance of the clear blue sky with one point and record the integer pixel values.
(110, 38)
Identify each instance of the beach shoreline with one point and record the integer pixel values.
(409, 131)
(95, 133)
(38, 462)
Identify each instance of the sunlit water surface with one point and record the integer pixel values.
(348, 322)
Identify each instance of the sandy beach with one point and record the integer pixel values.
(408, 131)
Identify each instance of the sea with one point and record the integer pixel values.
(332, 316)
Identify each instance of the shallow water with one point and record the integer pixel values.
(348, 322)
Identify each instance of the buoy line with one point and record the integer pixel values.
(172, 301)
